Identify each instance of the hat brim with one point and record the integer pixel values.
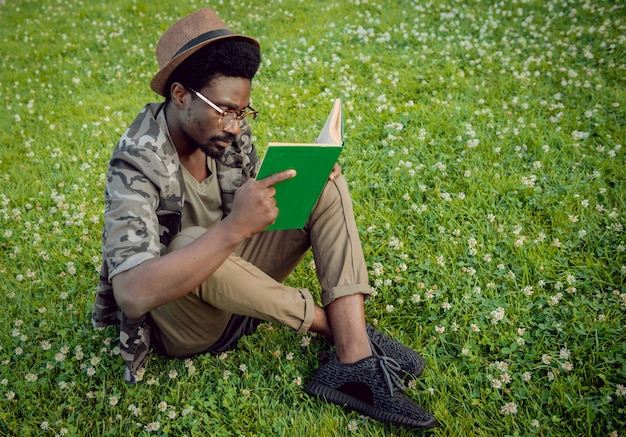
(158, 81)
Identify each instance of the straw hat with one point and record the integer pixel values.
(184, 38)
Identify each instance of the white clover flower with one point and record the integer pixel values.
(509, 408)
(497, 315)
(153, 426)
(502, 366)
(378, 269)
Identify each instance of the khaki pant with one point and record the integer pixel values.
(247, 287)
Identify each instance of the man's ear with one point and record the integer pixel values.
(178, 93)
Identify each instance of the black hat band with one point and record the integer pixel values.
(202, 38)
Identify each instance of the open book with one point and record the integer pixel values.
(313, 162)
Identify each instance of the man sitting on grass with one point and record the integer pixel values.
(186, 265)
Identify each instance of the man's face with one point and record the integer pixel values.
(200, 123)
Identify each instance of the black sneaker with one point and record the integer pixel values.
(410, 361)
(370, 387)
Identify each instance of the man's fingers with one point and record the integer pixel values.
(276, 178)
(335, 172)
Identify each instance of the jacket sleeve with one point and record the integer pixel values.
(239, 163)
(131, 226)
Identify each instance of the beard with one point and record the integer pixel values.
(210, 147)
(193, 127)
(212, 150)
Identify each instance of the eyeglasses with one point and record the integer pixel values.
(227, 117)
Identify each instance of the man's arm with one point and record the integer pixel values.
(160, 280)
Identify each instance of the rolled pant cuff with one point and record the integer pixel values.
(345, 290)
(309, 311)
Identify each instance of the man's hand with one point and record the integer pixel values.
(334, 174)
(254, 207)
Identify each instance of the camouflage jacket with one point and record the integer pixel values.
(144, 198)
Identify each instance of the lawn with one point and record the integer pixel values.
(484, 148)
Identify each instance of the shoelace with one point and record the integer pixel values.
(390, 368)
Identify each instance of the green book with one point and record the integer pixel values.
(313, 162)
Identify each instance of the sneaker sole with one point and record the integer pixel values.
(336, 397)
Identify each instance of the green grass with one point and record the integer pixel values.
(484, 150)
